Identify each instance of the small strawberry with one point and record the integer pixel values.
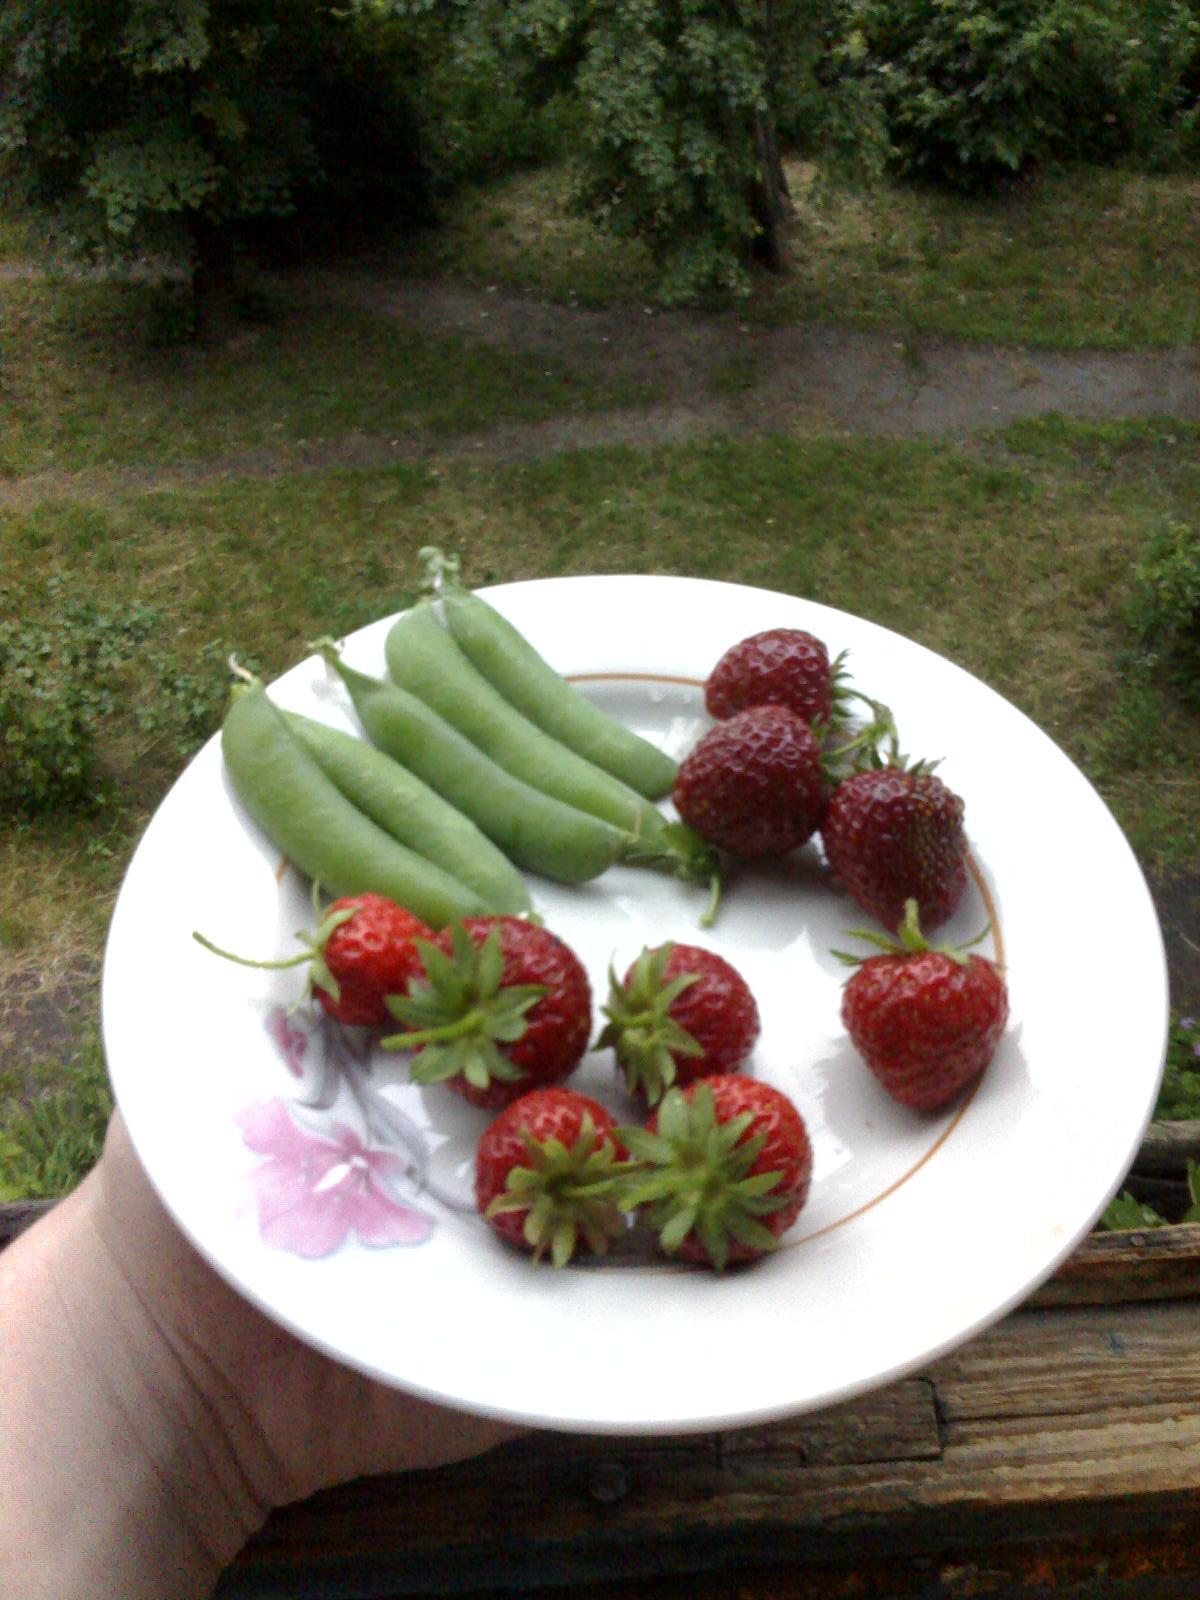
(753, 784)
(925, 1018)
(720, 1170)
(504, 1007)
(546, 1175)
(364, 949)
(680, 1013)
(893, 833)
(779, 667)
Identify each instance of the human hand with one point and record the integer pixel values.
(151, 1418)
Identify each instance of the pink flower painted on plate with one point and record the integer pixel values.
(314, 1191)
(292, 1042)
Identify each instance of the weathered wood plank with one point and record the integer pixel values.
(1067, 1426)
(1150, 1264)
(1168, 1147)
(1048, 1364)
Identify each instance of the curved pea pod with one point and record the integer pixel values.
(526, 680)
(413, 813)
(423, 659)
(535, 831)
(307, 817)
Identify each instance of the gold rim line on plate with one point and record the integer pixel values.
(997, 942)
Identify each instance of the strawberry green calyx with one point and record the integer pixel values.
(459, 1019)
(692, 1175)
(861, 748)
(676, 849)
(909, 941)
(568, 1193)
(640, 1027)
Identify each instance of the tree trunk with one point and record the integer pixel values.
(771, 202)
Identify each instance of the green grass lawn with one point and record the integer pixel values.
(82, 388)
(1012, 556)
(1087, 258)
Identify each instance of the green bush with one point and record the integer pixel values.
(496, 86)
(76, 673)
(978, 91)
(1163, 608)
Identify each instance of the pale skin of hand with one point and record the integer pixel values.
(151, 1418)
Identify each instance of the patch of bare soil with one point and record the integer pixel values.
(42, 1013)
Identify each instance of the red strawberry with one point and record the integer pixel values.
(779, 667)
(892, 834)
(753, 784)
(370, 955)
(505, 1006)
(721, 1169)
(926, 1019)
(364, 949)
(680, 1013)
(546, 1175)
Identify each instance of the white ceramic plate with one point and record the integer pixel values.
(337, 1196)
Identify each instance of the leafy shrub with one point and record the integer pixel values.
(1127, 1211)
(1130, 82)
(1164, 607)
(76, 670)
(496, 85)
(1179, 1097)
(976, 91)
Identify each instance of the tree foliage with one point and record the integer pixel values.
(154, 128)
(675, 99)
(974, 91)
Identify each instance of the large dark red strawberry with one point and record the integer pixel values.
(680, 1013)
(364, 948)
(722, 1168)
(925, 1019)
(546, 1175)
(753, 784)
(504, 1006)
(892, 834)
(778, 667)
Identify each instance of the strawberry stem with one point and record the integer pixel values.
(470, 1022)
(245, 961)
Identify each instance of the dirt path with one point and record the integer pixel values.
(706, 375)
(869, 383)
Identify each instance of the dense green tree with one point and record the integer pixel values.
(678, 137)
(156, 129)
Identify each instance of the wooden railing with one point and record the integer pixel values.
(1057, 1454)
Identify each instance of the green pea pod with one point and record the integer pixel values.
(502, 655)
(303, 812)
(535, 831)
(423, 659)
(414, 813)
